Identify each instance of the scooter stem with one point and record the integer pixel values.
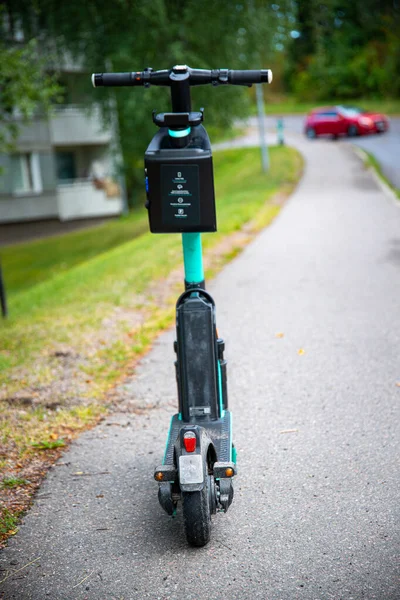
(193, 259)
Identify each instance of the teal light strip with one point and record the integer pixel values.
(232, 449)
(168, 438)
(192, 257)
(221, 406)
(178, 133)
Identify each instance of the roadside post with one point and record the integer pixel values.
(279, 130)
(261, 128)
(3, 296)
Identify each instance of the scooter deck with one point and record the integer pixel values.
(219, 430)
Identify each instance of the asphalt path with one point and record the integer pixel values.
(310, 314)
(385, 147)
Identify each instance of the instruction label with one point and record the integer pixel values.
(180, 195)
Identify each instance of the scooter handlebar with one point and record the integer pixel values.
(195, 76)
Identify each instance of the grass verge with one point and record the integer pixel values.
(75, 334)
(371, 161)
(289, 105)
(25, 265)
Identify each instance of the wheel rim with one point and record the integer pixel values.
(311, 133)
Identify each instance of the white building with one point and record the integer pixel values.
(62, 165)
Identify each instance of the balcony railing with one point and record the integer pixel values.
(72, 124)
(80, 198)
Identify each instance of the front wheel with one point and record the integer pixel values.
(197, 513)
(352, 131)
(311, 133)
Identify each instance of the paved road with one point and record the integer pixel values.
(386, 147)
(316, 512)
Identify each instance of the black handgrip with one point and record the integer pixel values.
(249, 77)
(117, 79)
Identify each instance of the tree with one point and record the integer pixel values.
(25, 87)
(130, 35)
(345, 49)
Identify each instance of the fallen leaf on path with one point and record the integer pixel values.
(301, 352)
(279, 335)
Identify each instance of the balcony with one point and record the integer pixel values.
(80, 199)
(72, 125)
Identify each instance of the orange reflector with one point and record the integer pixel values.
(189, 441)
(229, 472)
(159, 476)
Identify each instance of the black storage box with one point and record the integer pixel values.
(180, 183)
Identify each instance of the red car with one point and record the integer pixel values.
(344, 120)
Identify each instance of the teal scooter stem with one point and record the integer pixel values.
(193, 259)
(194, 275)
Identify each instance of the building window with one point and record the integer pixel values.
(65, 164)
(26, 176)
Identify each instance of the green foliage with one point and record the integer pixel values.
(25, 87)
(345, 50)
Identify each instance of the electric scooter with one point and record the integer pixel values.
(200, 459)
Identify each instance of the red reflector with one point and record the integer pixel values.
(189, 441)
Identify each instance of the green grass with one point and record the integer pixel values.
(10, 482)
(48, 444)
(69, 307)
(8, 521)
(27, 264)
(371, 161)
(228, 133)
(289, 105)
(65, 306)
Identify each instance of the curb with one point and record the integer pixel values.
(387, 190)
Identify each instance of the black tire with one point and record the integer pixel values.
(197, 515)
(352, 131)
(311, 133)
